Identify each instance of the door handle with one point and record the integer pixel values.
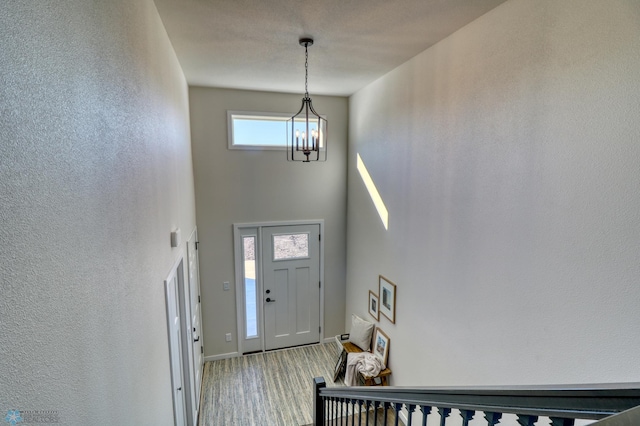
(197, 339)
(270, 299)
(179, 389)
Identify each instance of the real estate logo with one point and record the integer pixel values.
(14, 417)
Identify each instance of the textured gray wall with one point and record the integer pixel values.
(95, 171)
(508, 158)
(236, 186)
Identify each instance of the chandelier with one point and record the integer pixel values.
(306, 130)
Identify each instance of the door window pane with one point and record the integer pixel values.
(250, 296)
(290, 246)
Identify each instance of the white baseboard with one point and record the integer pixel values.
(329, 339)
(221, 356)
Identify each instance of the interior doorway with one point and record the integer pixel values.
(194, 329)
(173, 284)
(182, 291)
(279, 289)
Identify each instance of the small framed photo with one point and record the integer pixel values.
(387, 294)
(338, 370)
(374, 303)
(381, 345)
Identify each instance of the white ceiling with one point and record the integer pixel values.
(253, 44)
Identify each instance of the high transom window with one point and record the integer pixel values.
(259, 130)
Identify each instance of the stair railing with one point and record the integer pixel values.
(617, 404)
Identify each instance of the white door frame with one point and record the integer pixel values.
(239, 281)
(256, 343)
(187, 345)
(176, 346)
(195, 322)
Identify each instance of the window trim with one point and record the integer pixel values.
(257, 115)
(286, 116)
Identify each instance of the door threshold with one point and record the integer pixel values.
(292, 347)
(280, 349)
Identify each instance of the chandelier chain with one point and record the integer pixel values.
(306, 72)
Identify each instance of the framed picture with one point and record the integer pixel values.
(374, 302)
(387, 294)
(381, 345)
(338, 370)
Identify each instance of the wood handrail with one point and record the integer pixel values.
(626, 418)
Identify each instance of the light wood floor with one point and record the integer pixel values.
(272, 388)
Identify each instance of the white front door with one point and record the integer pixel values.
(175, 346)
(291, 285)
(196, 320)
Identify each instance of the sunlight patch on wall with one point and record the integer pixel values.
(373, 192)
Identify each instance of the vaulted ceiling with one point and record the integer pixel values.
(253, 44)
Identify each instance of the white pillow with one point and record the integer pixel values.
(361, 331)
